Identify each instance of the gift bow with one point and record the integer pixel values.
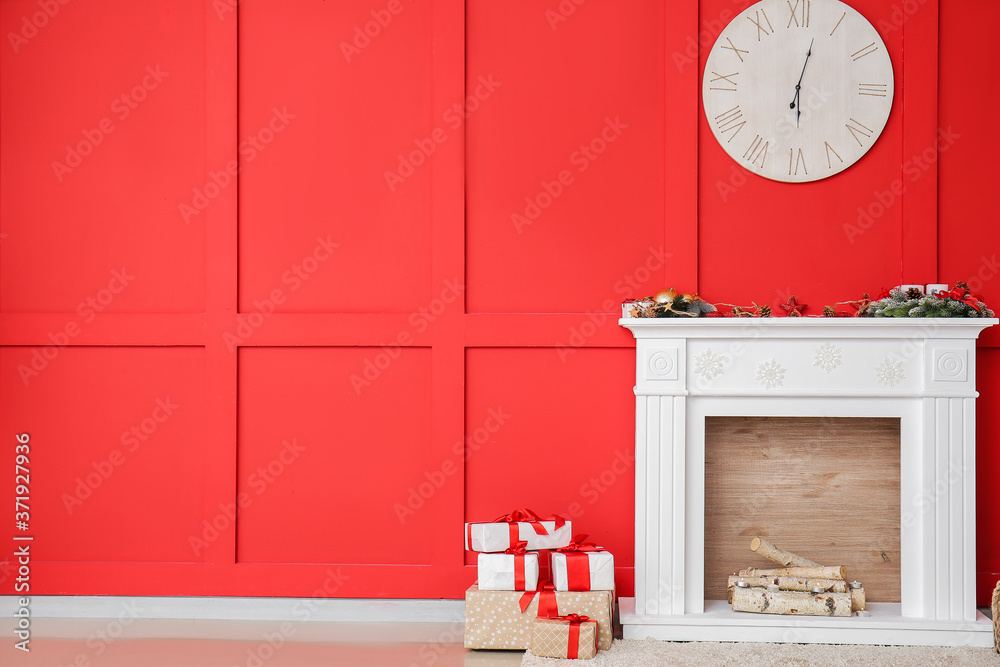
(518, 548)
(527, 516)
(578, 562)
(960, 295)
(573, 640)
(575, 619)
(578, 544)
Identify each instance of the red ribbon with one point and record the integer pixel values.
(518, 551)
(527, 516)
(573, 643)
(578, 562)
(520, 515)
(548, 606)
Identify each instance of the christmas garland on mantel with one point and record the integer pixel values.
(896, 302)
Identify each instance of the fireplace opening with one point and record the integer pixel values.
(825, 488)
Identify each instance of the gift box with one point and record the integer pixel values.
(519, 526)
(571, 636)
(507, 571)
(506, 619)
(583, 570)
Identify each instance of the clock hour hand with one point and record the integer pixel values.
(798, 86)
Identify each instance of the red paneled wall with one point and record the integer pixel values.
(289, 290)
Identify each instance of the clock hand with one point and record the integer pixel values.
(795, 100)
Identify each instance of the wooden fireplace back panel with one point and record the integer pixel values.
(824, 488)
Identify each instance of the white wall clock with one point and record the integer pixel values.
(798, 90)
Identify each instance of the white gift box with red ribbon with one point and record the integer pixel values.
(583, 570)
(508, 572)
(518, 526)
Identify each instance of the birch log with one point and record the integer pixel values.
(779, 555)
(821, 572)
(762, 601)
(858, 599)
(789, 584)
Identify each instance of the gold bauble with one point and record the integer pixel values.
(665, 296)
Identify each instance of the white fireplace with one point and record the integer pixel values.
(921, 372)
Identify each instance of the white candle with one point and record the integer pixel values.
(937, 287)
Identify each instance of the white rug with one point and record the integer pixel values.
(651, 652)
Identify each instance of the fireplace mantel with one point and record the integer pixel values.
(921, 371)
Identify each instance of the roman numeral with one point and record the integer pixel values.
(801, 19)
(838, 24)
(732, 47)
(757, 151)
(730, 121)
(756, 21)
(724, 77)
(798, 159)
(864, 51)
(829, 149)
(873, 89)
(857, 128)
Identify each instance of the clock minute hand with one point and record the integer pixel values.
(795, 100)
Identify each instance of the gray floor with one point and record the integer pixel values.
(154, 643)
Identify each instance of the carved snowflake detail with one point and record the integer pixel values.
(708, 364)
(771, 374)
(828, 357)
(889, 372)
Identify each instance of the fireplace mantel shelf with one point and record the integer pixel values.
(921, 371)
(810, 327)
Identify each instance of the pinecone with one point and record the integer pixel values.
(829, 311)
(913, 293)
(962, 285)
(764, 311)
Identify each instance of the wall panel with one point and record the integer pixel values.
(565, 166)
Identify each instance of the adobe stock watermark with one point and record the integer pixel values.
(814, 100)
(131, 439)
(33, 23)
(987, 271)
(259, 481)
(121, 108)
(913, 171)
(454, 117)
(928, 497)
(87, 311)
(303, 611)
(247, 150)
(225, 7)
(419, 322)
(294, 277)
(711, 29)
(98, 642)
(417, 496)
(433, 651)
(628, 286)
(581, 158)
(364, 34)
(562, 12)
(594, 488)
(900, 13)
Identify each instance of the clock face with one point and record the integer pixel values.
(797, 90)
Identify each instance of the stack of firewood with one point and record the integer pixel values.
(800, 586)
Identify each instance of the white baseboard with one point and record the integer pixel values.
(356, 621)
(362, 610)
